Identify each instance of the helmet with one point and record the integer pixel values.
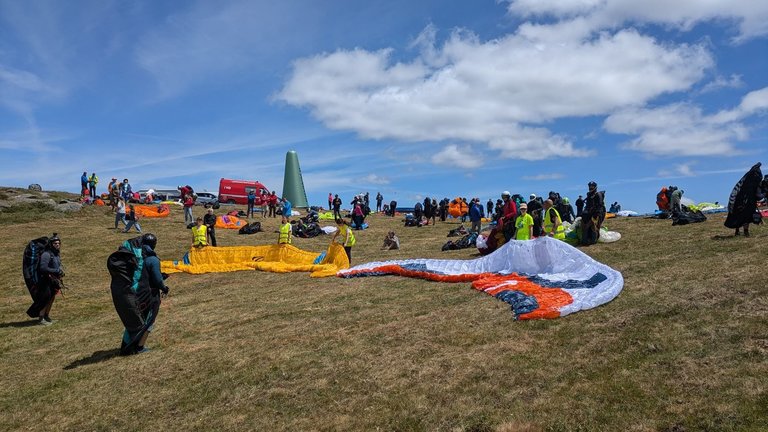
(533, 196)
(54, 238)
(592, 185)
(566, 200)
(150, 240)
(505, 193)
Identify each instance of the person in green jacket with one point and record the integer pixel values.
(523, 224)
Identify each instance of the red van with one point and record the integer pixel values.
(236, 191)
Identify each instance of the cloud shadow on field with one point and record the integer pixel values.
(96, 357)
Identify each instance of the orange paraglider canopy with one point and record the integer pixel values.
(457, 207)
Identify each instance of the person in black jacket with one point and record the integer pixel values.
(210, 221)
(579, 206)
(50, 274)
(593, 215)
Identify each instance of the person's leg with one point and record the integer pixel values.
(746, 229)
(348, 250)
(117, 219)
(212, 233)
(47, 309)
(138, 227)
(128, 226)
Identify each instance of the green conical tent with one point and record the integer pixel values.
(293, 184)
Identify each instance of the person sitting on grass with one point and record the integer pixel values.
(349, 237)
(391, 241)
(199, 234)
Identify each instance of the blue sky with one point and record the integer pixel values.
(413, 99)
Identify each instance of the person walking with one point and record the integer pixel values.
(92, 182)
(348, 237)
(133, 219)
(120, 212)
(210, 223)
(593, 215)
(189, 202)
(136, 295)
(49, 275)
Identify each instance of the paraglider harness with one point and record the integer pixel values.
(31, 266)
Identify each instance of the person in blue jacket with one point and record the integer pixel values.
(475, 214)
(287, 208)
(83, 184)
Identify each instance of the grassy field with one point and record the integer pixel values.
(684, 347)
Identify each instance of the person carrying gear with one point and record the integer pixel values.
(553, 225)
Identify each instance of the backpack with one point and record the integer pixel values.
(251, 228)
(31, 261)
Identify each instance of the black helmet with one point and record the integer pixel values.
(592, 184)
(54, 238)
(150, 240)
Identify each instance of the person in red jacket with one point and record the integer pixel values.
(508, 215)
(188, 204)
(273, 204)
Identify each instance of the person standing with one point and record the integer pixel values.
(189, 202)
(675, 204)
(523, 224)
(83, 184)
(379, 200)
(534, 210)
(508, 215)
(357, 215)
(264, 203)
(330, 201)
(489, 208)
(579, 206)
(273, 204)
(434, 212)
(136, 295)
(49, 276)
(336, 207)
(567, 213)
(349, 237)
(133, 219)
(428, 209)
(553, 225)
(210, 223)
(92, 182)
(125, 190)
(199, 234)
(593, 215)
(286, 231)
(120, 212)
(251, 203)
(287, 208)
(475, 215)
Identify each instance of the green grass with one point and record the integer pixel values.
(682, 348)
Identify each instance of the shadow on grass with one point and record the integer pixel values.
(96, 357)
(724, 237)
(18, 324)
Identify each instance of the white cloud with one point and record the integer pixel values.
(682, 129)
(375, 179)
(540, 177)
(453, 155)
(498, 92)
(734, 81)
(751, 15)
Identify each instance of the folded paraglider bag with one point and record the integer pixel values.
(460, 231)
(687, 217)
(251, 228)
(468, 240)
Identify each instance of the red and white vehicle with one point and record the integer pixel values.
(236, 191)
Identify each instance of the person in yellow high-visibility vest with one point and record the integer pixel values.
(286, 231)
(349, 238)
(553, 225)
(199, 234)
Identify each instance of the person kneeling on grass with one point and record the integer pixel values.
(349, 237)
(199, 234)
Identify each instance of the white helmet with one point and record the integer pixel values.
(506, 193)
